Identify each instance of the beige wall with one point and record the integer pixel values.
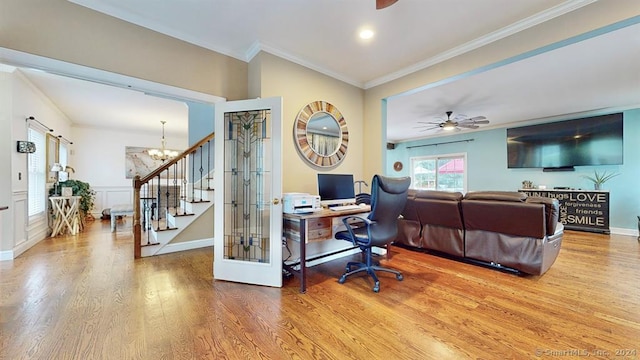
(588, 18)
(299, 86)
(68, 32)
(199, 229)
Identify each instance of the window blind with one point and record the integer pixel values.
(37, 173)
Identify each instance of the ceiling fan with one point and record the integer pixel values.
(457, 123)
(381, 4)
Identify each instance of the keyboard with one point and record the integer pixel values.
(345, 207)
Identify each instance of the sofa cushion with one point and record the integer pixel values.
(439, 195)
(513, 218)
(496, 196)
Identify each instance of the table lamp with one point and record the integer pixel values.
(56, 168)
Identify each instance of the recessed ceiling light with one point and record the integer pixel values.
(366, 34)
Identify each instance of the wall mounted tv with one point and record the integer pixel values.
(562, 145)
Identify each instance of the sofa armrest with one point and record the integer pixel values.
(551, 210)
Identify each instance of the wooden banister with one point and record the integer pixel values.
(138, 182)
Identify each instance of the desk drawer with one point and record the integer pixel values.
(312, 224)
(322, 223)
(317, 229)
(319, 234)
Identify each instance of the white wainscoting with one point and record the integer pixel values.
(19, 217)
(107, 196)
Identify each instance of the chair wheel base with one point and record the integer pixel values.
(342, 279)
(376, 287)
(399, 277)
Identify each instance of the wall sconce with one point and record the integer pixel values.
(26, 147)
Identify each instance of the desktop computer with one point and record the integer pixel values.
(337, 191)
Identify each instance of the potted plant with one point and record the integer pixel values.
(599, 179)
(82, 189)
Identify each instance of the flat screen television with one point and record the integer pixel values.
(561, 145)
(336, 189)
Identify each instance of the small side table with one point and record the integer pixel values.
(66, 215)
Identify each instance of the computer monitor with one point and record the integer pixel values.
(336, 189)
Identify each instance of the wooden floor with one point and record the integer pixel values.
(84, 297)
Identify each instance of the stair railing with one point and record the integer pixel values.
(163, 189)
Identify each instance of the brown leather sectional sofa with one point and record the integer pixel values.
(498, 228)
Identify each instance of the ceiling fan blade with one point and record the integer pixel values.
(468, 126)
(477, 118)
(430, 128)
(481, 122)
(381, 4)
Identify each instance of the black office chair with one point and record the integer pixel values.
(388, 197)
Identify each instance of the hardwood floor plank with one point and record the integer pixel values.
(85, 297)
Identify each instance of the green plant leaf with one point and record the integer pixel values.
(600, 179)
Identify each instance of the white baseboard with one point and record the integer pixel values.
(26, 245)
(186, 245)
(624, 231)
(6, 255)
(310, 263)
(23, 246)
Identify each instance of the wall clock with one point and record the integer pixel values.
(397, 166)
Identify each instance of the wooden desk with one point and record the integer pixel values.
(66, 214)
(310, 227)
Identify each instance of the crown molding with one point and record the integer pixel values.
(159, 28)
(287, 56)
(514, 28)
(257, 46)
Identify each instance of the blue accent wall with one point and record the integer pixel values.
(487, 167)
(200, 121)
(200, 125)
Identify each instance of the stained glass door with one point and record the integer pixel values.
(248, 212)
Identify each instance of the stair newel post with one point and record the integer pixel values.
(209, 165)
(137, 229)
(146, 211)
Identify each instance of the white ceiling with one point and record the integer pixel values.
(410, 35)
(601, 73)
(91, 104)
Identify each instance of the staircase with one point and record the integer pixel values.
(172, 212)
(180, 231)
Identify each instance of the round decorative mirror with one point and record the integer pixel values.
(321, 134)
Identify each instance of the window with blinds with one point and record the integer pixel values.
(63, 154)
(37, 173)
(439, 172)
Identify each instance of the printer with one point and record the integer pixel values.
(299, 203)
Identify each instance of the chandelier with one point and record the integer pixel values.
(162, 154)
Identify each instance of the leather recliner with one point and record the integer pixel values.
(509, 229)
(441, 220)
(500, 228)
